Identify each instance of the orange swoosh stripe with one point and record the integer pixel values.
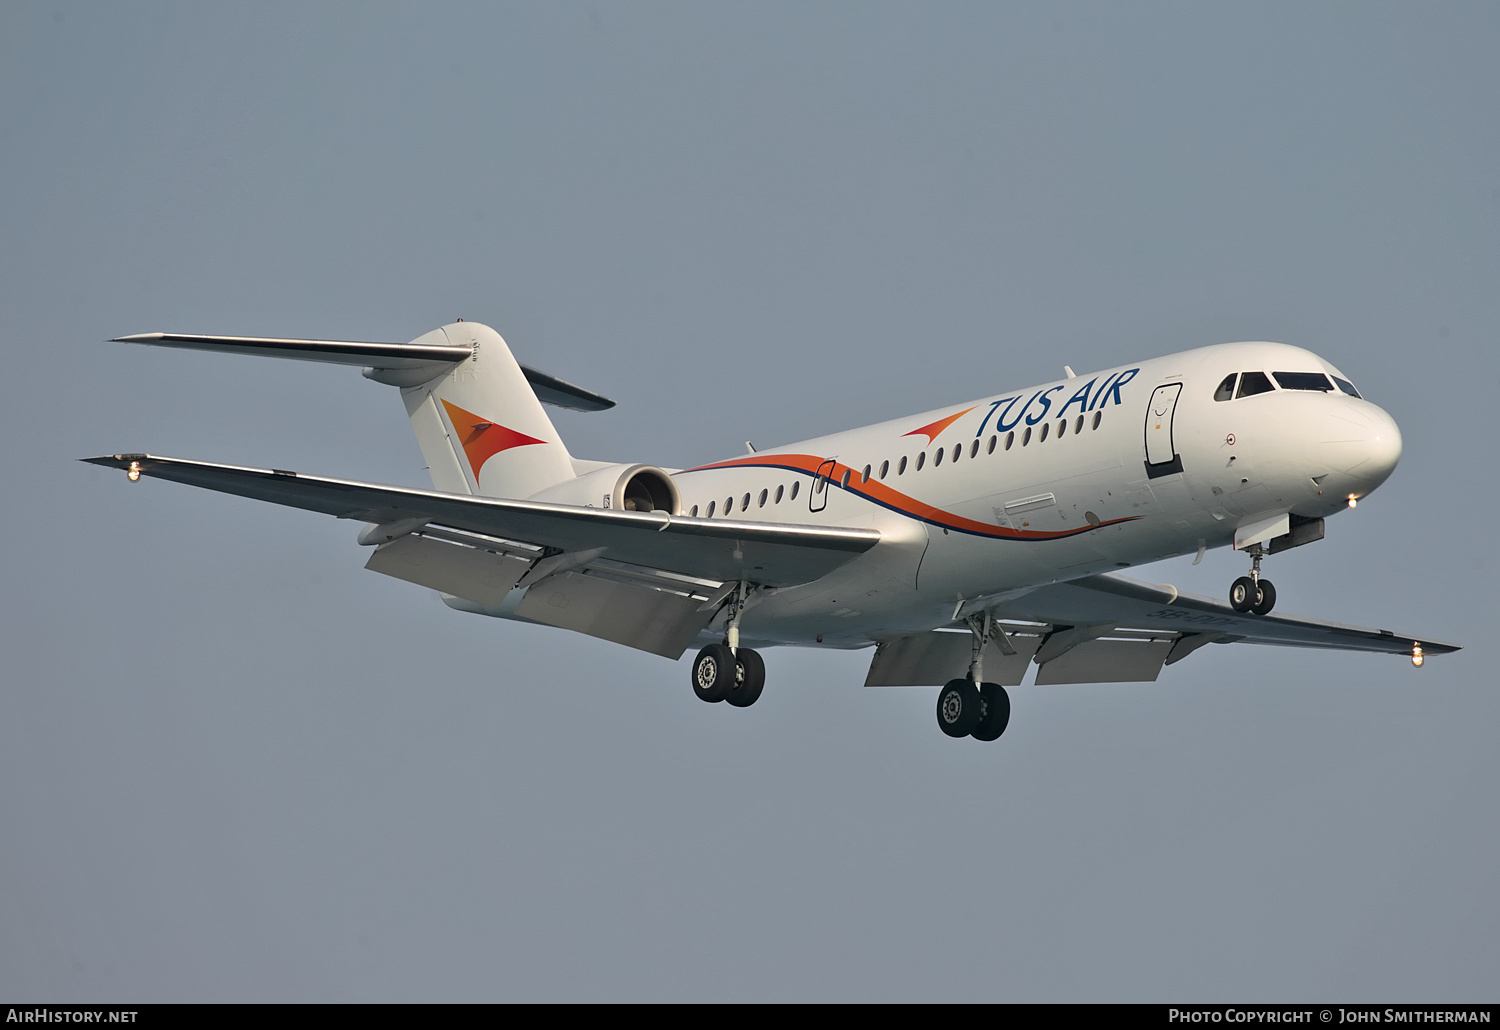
(897, 501)
(482, 439)
(932, 429)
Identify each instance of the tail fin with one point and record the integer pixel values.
(476, 412)
(480, 426)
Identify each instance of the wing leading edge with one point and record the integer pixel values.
(720, 549)
(1122, 603)
(1109, 629)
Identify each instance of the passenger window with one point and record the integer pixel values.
(901, 468)
(845, 481)
(745, 503)
(958, 449)
(728, 505)
(937, 458)
(763, 495)
(885, 467)
(1078, 426)
(793, 495)
(1045, 426)
(1027, 438)
(694, 512)
(1303, 381)
(1010, 438)
(921, 460)
(993, 441)
(1062, 427)
(779, 490)
(710, 512)
(1226, 388)
(1098, 417)
(974, 450)
(864, 477)
(1346, 386)
(1252, 383)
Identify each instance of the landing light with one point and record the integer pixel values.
(134, 472)
(1416, 655)
(1353, 501)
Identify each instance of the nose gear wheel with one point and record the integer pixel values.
(1251, 593)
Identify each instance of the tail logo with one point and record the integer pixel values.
(481, 439)
(932, 429)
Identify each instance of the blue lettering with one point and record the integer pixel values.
(1046, 404)
(1081, 398)
(1098, 396)
(1002, 425)
(993, 408)
(1124, 378)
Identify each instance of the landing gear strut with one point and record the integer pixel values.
(1251, 593)
(728, 672)
(968, 708)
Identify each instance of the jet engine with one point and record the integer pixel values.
(622, 487)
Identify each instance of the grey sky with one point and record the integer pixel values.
(235, 766)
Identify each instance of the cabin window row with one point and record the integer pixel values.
(939, 455)
(1010, 439)
(744, 502)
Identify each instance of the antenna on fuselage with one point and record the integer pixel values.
(1067, 371)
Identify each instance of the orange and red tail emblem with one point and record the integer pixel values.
(481, 439)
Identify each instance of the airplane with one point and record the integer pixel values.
(967, 542)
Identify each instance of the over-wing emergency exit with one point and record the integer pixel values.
(965, 544)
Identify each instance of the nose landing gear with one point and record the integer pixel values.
(1251, 593)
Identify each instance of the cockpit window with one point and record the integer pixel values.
(1346, 386)
(1303, 381)
(1253, 383)
(1226, 388)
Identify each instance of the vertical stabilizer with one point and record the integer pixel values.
(480, 425)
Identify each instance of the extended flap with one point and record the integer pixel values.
(658, 621)
(468, 572)
(1108, 661)
(932, 659)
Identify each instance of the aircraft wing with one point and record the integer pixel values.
(1109, 629)
(715, 549)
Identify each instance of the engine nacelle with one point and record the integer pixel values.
(622, 487)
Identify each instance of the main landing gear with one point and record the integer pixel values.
(728, 672)
(1251, 593)
(721, 673)
(968, 708)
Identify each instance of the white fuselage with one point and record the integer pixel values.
(994, 497)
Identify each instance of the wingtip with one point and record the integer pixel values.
(118, 461)
(137, 338)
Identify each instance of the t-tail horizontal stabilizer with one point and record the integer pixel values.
(398, 363)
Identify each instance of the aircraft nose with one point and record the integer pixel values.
(1363, 443)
